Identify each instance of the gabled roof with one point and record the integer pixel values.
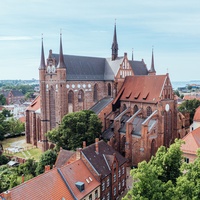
(142, 88)
(192, 142)
(197, 114)
(95, 68)
(97, 160)
(17, 93)
(45, 186)
(63, 156)
(78, 172)
(35, 104)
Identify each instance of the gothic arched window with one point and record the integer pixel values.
(95, 95)
(135, 108)
(149, 111)
(80, 96)
(109, 89)
(70, 97)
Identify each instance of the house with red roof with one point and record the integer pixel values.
(191, 145)
(196, 120)
(70, 182)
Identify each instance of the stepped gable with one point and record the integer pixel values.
(192, 142)
(78, 172)
(35, 105)
(142, 88)
(97, 159)
(46, 186)
(63, 157)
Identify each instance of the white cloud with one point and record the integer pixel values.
(14, 38)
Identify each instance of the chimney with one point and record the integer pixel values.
(22, 178)
(47, 168)
(97, 145)
(78, 153)
(84, 144)
(7, 195)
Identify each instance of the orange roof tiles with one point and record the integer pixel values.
(142, 88)
(35, 105)
(78, 172)
(197, 114)
(46, 186)
(192, 142)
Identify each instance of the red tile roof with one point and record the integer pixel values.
(46, 186)
(192, 142)
(197, 114)
(35, 105)
(22, 119)
(78, 172)
(142, 88)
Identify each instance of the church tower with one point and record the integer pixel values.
(114, 45)
(61, 89)
(42, 74)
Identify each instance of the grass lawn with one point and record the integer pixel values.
(21, 142)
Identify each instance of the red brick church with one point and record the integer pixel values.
(136, 106)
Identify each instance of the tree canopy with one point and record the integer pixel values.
(75, 128)
(2, 99)
(189, 106)
(47, 158)
(166, 177)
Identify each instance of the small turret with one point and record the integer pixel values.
(61, 63)
(152, 71)
(114, 45)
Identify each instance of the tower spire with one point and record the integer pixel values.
(152, 70)
(132, 54)
(42, 62)
(61, 63)
(114, 44)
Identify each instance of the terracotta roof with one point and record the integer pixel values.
(197, 114)
(46, 186)
(63, 156)
(22, 119)
(190, 97)
(98, 160)
(142, 88)
(78, 172)
(192, 142)
(35, 104)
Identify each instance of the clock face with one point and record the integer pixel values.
(89, 85)
(53, 69)
(167, 107)
(49, 69)
(67, 86)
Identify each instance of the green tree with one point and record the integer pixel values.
(47, 158)
(16, 127)
(75, 128)
(6, 113)
(176, 92)
(189, 106)
(3, 160)
(27, 168)
(157, 178)
(2, 99)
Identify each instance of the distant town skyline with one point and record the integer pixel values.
(172, 28)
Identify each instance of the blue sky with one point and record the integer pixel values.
(172, 27)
